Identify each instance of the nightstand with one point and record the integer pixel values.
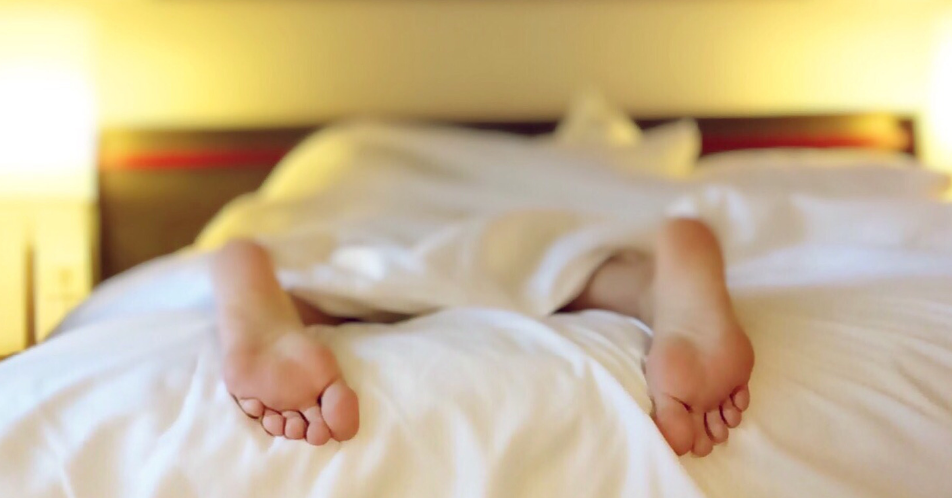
(47, 258)
(14, 283)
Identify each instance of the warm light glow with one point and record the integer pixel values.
(47, 130)
(939, 114)
(47, 110)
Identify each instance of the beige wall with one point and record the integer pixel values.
(255, 62)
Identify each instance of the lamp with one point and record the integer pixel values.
(47, 170)
(938, 143)
(47, 108)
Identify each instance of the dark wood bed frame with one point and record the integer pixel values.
(158, 188)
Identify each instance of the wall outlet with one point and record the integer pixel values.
(63, 249)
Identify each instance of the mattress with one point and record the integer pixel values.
(487, 392)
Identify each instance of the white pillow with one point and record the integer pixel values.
(595, 127)
(670, 150)
(823, 172)
(592, 122)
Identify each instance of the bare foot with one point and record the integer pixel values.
(700, 360)
(292, 383)
(277, 371)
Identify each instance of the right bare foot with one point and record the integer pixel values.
(700, 360)
(276, 371)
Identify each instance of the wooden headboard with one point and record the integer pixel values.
(158, 188)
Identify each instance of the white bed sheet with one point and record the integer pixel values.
(848, 303)
(495, 404)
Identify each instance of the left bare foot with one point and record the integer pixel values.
(291, 382)
(278, 372)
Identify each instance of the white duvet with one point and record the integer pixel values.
(848, 302)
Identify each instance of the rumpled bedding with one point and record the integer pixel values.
(486, 392)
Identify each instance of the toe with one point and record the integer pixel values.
(273, 422)
(674, 422)
(741, 398)
(716, 428)
(340, 410)
(702, 442)
(730, 414)
(252, 407)
(295, 427)
(317, 431)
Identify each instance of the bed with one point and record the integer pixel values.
(840, 264)
(159, 187)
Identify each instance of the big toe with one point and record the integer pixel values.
(675, 424)
(340, 410)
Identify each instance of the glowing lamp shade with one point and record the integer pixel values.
(939, 112)
(47, 113)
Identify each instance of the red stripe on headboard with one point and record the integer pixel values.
(262, 149)
(716, 144)
(267, 158)
(198, 159)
